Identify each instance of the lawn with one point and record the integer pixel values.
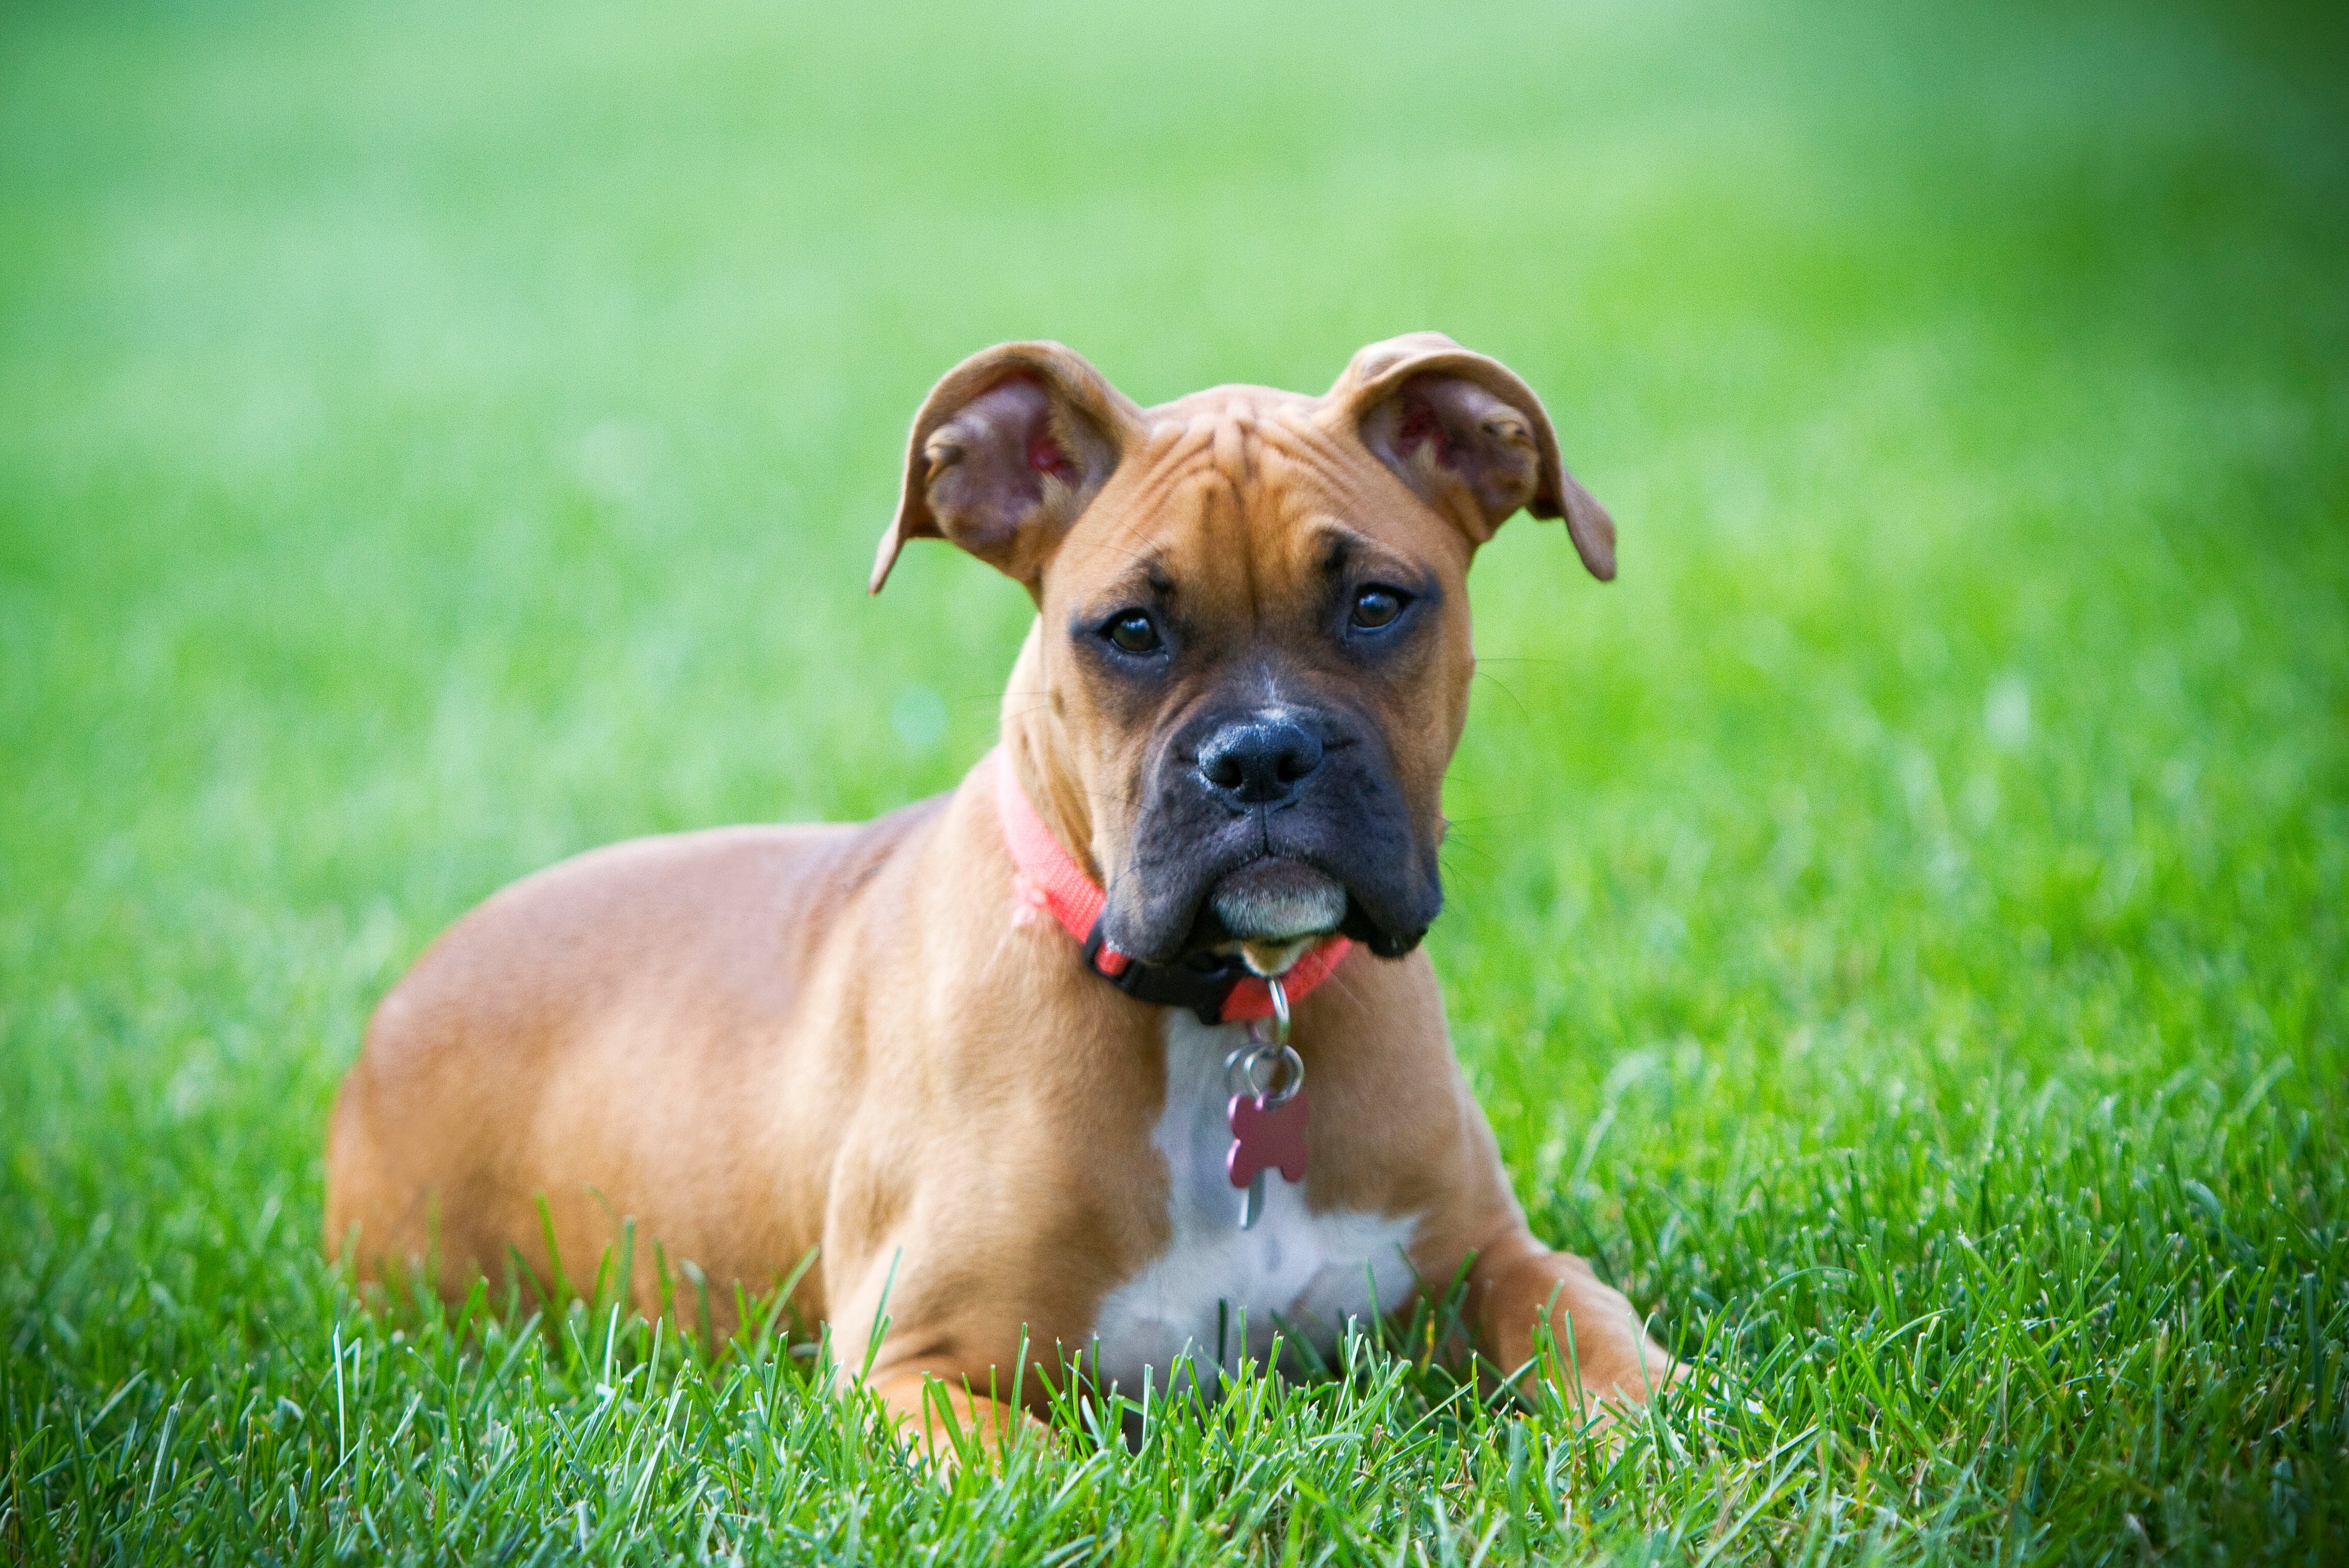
(1896, 929)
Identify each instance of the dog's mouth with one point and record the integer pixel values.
(1270, 912)
(1271, 900)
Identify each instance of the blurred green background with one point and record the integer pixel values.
(441, 438)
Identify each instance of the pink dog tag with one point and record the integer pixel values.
(1267, 1136)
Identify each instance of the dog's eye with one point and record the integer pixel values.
(1132, 631)
(1376, 607)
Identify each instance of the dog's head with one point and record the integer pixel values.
(1252, 651)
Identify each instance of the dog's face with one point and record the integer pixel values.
(1253, 633)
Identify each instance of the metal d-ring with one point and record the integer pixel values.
(1241, 1068)
(1259, 1051)
(1280, 994)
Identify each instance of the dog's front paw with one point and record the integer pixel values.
(946, 1426)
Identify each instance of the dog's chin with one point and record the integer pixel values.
(1271, 902)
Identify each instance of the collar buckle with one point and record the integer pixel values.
(1202, 985)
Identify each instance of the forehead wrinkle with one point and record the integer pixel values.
(1198, 551)
(1160, 471)
(1317, 486)
(1173, 455)
(1210, 469)
(1356, 490)
(1314, 452)
(1236, 449)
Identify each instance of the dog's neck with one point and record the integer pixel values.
(1034, 745)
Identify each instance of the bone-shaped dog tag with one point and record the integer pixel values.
(1267, 1135)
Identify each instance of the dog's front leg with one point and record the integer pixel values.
(1517, 1285)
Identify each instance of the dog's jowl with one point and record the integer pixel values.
(1041, 1060)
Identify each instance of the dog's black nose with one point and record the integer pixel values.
(1259, 761)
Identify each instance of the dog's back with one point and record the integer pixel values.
(675, 976)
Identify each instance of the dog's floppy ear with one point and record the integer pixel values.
(1009, 447)
(1470, 438)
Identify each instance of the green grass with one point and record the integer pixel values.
(1896, 929)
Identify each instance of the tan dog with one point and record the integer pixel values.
(1249, 671)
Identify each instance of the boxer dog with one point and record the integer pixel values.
(1123, 1052)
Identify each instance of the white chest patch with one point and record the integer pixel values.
(1295, 1274)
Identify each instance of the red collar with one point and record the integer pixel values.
(1049, 878)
